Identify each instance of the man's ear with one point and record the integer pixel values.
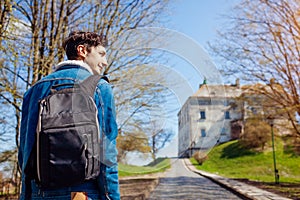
(81, 51)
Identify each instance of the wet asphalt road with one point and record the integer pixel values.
(180, 183)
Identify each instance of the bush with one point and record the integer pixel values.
(297, 146)
(292, 144)
(256, 134)
(200, 157)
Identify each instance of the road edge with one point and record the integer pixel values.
(242, 190)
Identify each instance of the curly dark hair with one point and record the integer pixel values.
(88, 39)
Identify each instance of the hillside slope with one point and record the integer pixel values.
(233, 161)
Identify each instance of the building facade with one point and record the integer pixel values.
(208, 117)
(216, 114)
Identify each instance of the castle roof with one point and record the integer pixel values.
(228, 91)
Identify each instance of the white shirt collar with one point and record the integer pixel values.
(73, 62)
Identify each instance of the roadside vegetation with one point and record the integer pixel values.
(255, 166)
(234, 161)
(160, 165)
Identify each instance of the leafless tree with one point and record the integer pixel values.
(32, 32)
(5, 14)
(261, 43)
(159, 138)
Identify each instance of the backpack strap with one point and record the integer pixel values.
(89, 85)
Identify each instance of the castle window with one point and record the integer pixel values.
(203, 132)
(202, 114)
(227, 115)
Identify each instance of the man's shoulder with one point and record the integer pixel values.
(45, 83)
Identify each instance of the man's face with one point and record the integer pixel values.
(96, 59)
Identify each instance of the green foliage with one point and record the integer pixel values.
(236, 150)
(159, 162)
(131, 170)
(230, 161)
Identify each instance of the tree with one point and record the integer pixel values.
(256, 133)
(5, 13)
(160, 136)
(261, 44)
(139, 123)
(132, 142)
(31, 44)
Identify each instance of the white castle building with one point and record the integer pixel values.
(216, 114)
(208, 117)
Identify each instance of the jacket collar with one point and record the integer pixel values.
(73, 62)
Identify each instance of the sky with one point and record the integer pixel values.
(194, 23)
(199, 19)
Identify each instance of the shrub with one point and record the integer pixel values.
(297, 146)
(292, 144)
(256, 134)
(200, 157)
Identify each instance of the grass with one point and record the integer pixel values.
(160, 165)
(233, 161)
(256, 168)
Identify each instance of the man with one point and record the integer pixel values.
(86, 56)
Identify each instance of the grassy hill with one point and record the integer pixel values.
(160, 165)
(233, 161)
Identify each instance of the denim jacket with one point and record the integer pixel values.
(106, 186)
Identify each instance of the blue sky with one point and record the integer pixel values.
(197, 23)
(199, 19)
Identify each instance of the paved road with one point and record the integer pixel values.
(180, 183)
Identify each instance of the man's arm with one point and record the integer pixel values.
(109, 135)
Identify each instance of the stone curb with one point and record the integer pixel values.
(138, 187)
(239, 188)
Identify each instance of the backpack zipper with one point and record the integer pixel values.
(43, 104)
(98, 129)
(70, 125)
(97, 124)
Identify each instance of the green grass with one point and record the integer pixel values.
(233, 161)
(160, 165)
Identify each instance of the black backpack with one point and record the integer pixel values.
(68, 140)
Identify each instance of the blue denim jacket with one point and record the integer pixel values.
(106, 186)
